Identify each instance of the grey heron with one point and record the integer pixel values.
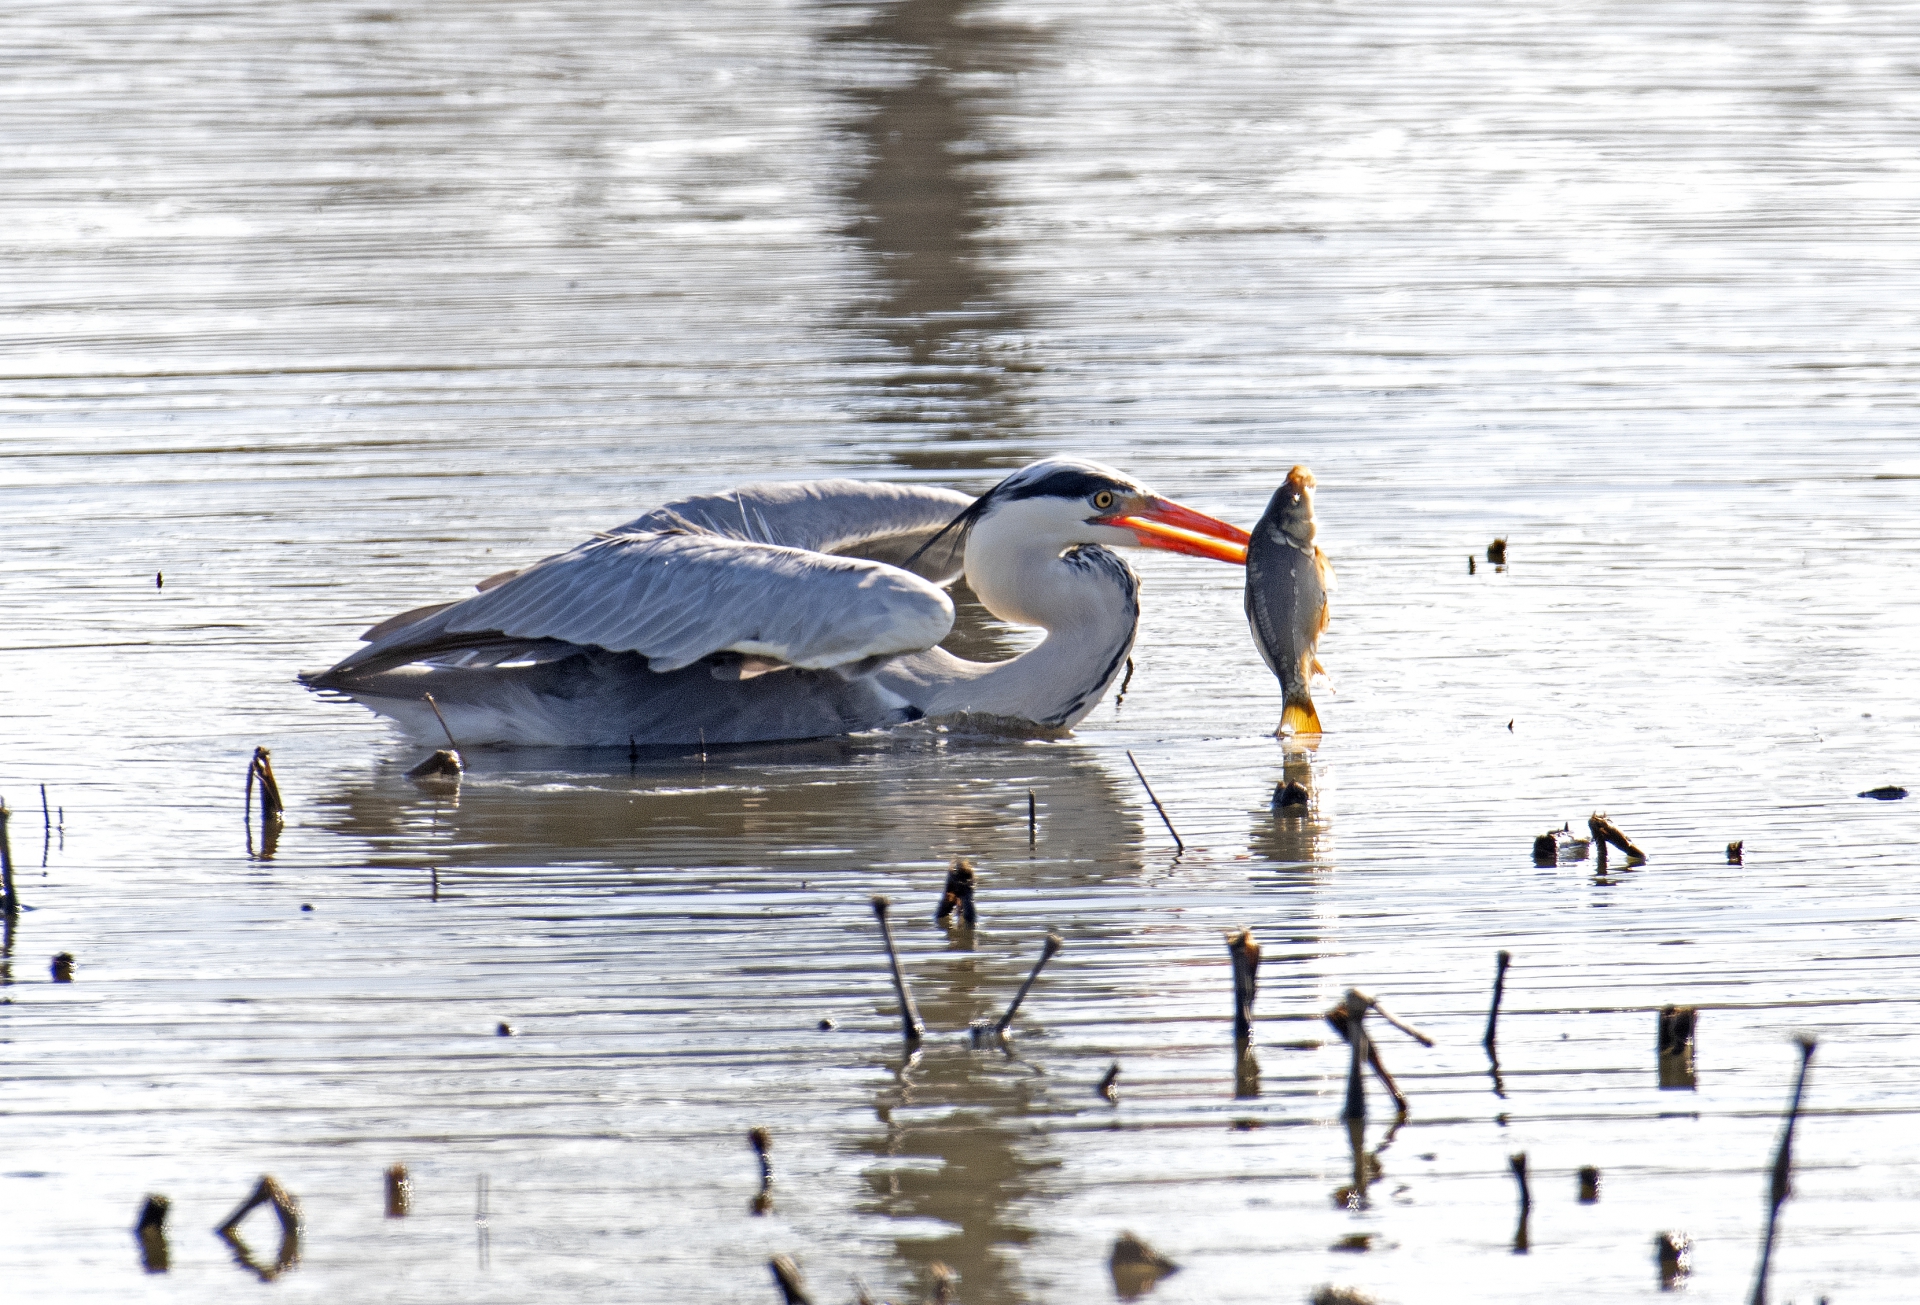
(788, 611)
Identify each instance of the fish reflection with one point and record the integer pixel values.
(920, 205)
(1289, 832)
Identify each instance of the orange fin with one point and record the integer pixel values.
(1300, 718)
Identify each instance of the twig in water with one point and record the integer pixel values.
(1180, 846)
(910, 1026)
(957, 896)
(1782, 1185)
(1136, 1266)
(1340, 1019)
(46, 828)
(786, 1276)
(1107, 1089)
(1517, 1162)
(1356, 1108)
(9, 899)
(443, 721)
(1605, 831)
(1589, 1184)
(1053, 944)
(1244, 951)
(272, 808)
(762, 1143)
(1501, 962)
(1673, 1252)
(1033, 819)
(703, 752)
(62, 968)
(151, 1233)
(1675, 1047)
(399, 1192)
(286, 1209)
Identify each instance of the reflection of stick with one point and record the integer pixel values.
(910, 1026)
(1493, 1012)
(1518, 1163)
(1053, 944)
(1245, 954)
(1156, 804)
(1782, 1186)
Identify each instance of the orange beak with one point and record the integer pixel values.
(1162, 523)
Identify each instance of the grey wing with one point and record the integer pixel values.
(849, 518)
(675, 598)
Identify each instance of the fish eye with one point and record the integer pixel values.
(1103, 500)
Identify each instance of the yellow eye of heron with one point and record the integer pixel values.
(1103, 500)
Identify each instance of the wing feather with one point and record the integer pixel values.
(676, 598)
(854, 518)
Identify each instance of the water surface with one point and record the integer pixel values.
(320, 312)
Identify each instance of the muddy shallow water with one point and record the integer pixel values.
(320, 312)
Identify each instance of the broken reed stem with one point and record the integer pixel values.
(1165, 819)
(1338, 1019)
(1244, 951)
(1407, 1029)
(910, 1026)
(957, 896)
(1356, 1108)
(1052, 945)
(399, 1192)
(267, 1192)
(443, 721)
(786, 1276)
(9, 900)
(1501, 962)
(1033, 819)
(272, 808)
(1604, 831)
(1517, 1162)
(1782, 1184)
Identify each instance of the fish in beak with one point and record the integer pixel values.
(1288, 577)
(1161, 523)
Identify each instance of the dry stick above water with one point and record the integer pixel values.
(910, 1026)
(1340, 1017)
(1517, 1162)
(1047, 951)
(1178, 845)
(957, 896)
(9, 899)
(786, 1276)
(1244, 951)
(1782, 1183)
(272, 808)
(1501, 962)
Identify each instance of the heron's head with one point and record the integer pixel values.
(1056, 503)
(1047, 507)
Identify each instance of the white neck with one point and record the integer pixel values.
(1088, 603)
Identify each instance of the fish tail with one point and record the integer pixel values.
(1300, 717)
